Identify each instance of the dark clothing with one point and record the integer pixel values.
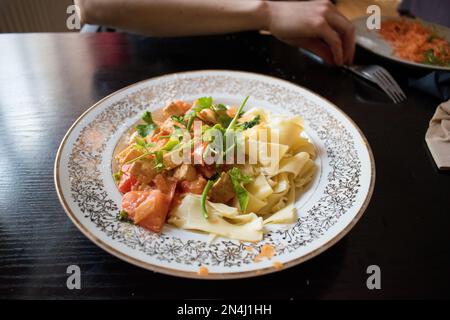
(436, 11)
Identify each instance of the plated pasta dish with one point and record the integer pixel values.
(214, 168)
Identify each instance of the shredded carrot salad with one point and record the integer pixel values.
(413, 41)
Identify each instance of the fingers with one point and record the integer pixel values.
(346, 31)
(319, 48)
(333, 40)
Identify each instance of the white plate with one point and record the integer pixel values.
(372, 41)
(328, 209)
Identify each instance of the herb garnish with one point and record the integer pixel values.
(148, 128)
(170, 144)
(221, 114)
(208, 187)
(238, 180)
(203, 103)
(179, 119)
(238, 114)
(251, 123)
(123, 216)
(118, 175)
(159, 160)
(199, 105)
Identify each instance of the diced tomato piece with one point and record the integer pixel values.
(126, 182)
(147, 208)
(184, 106)
(152, 212)
(177, 107)
(131, 200)
(166, 185)
(195, 187)
(231, 112)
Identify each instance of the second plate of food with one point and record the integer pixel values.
(214, 174)
(409, 41)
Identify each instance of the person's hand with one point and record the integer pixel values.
(316, 26)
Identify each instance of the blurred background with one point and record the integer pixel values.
(33, 15)
(50, 15)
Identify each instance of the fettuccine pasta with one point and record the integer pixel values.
(272, 161)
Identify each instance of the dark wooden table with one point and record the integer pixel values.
(48, 80)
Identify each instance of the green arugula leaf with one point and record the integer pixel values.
(123, 216)
(147, 117)
(179, 119)
(208, 187)
(219, 127)
(219, 107)
(250, 124)
(209, 135)
(159, 160)
(224, 120)
(238, 114)
(203, 103)
(139, 148)
(221, 114)
(199, 105)
(239, 176)
(139, 141)
(190, 119)
(238, 180)
(145, 129)
(141, 144)
(430, 58)
(170, 144)
(118, 175)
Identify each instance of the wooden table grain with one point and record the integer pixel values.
(48, 80)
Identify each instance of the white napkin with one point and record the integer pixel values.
(438, 136)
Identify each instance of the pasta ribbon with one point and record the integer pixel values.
(187, 215)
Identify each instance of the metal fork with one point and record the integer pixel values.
(381, 77)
